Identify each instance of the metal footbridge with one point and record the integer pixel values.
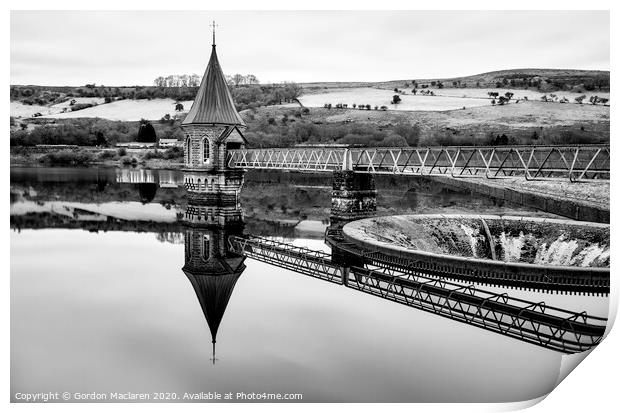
(575, 163)
(528, 321)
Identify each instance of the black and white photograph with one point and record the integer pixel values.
(308, 206)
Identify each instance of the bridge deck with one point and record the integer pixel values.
(574, 163)
(527, 321)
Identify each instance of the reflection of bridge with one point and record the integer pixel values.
(532, 162)
(532, 322)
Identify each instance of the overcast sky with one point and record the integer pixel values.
(133, 48)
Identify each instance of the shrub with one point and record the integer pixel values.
(411, 133)
(128, 160)
(571, 137)
(20, 138)
(146, 133)
(153, 155)
(394, 141)
(439, 138)
(173, 153)
(67, 157)
(80, 106)
(353, 139)
(108, 155)
(121, 151)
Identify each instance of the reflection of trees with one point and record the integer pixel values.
(92, 193)
(147, 192)
(171, 237)
(102, 183)
(39, 220)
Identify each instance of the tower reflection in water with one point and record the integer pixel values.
(215, 249)
(212, 216)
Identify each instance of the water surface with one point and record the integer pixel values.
(100, 303)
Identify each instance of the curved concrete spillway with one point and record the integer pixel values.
(490, 240)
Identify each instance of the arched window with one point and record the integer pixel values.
(187, 150)
(205, 150)
(188, 244)
(205, 250)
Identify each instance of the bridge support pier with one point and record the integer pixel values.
(353, 195)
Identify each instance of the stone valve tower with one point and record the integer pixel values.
(212, 128)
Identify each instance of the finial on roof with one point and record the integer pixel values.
(213, 352)
(213, 26)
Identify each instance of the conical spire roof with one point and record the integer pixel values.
(213, 293)
(213, 103)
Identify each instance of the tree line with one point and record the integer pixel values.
(194, 80)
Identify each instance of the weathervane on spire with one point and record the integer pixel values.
(213, 26)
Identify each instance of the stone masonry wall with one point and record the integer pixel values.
(562, 207)
(196, 134)
(353, 195)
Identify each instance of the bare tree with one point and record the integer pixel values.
(292, 90)
(184, 80)
(251, 79)
(238, 79)
(194, 80)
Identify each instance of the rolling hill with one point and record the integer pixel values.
(545, 80)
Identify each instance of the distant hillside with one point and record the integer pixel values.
(34, 100)
(245, 96)
(546, 80)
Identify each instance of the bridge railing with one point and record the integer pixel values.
(532, 162)
(300, 159)
(532, 322)
(299, 259)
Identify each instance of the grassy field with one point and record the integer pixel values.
(128, 110)
(155, 109)
(19, 109)
(444, 99)
(522, 114)
(381, 97)
(549, 121)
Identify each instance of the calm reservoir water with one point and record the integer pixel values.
(100, 303)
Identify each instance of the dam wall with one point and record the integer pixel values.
(554, 204)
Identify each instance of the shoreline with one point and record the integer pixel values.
(33, 157)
